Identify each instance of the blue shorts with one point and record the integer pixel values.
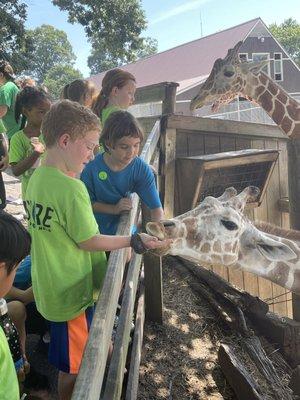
(68, 340)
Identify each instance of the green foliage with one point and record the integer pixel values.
(15, 46)
(58, 76)
(102, 59)
(51, 48)
(113, 28)
(288, 34)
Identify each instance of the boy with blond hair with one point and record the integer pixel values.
(64, 233)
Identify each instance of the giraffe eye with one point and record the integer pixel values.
(231, 226)
(228, 73)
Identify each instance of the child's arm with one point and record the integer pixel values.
(4, 156)
(157, 214)
(25, 296)
(123, 205)
(110, 243)
(25, 164)
(3, 110)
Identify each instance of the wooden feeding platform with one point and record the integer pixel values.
(210, 175)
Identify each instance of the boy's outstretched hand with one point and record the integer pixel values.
(152, 242)
(142, 242)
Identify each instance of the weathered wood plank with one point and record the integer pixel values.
(115, 376)
(261, 214)
(136, 351)
(153, 288)
(274, 217)
(223, 127)
(153, 93)
(169, 172)
(237, 375)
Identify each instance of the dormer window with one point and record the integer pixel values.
(260, 57)
(278, 67)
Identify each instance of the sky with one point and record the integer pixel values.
(170, 22)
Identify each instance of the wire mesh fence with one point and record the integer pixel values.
(215, 181)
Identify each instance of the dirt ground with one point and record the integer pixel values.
(179, 359)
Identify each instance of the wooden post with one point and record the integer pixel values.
(169, 102)
(167, 170)
(293, 148)
(152, 280)
(153, 288)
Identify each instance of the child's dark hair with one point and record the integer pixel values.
(29, 97)
(78, 90)
(7, 70)
(113, 78)
(15, 241)
(118, 125)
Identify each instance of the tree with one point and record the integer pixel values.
(102, 58)
(58, 76)
(51, 48)
(149, 48)
(15, 46)
(288, 34)
(113, 28)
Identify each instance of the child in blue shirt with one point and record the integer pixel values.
(113, 175)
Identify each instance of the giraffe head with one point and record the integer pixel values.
(229, 77)
(209, 233)
(217, 233)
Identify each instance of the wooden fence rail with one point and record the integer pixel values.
(90, 383)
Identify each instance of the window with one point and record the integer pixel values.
(260, 57)
(243, 57)
(278, 67)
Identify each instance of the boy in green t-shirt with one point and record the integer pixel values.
(14, 246)
(64, 233)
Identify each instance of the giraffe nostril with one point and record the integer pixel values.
(231, 226)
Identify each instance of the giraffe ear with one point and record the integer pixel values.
(274, 250)
(156, 229)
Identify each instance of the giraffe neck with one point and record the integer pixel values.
(284, 273)
(279, 105)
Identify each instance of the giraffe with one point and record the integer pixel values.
(230, 77)
(217, 233)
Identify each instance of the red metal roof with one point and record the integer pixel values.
(187, 61)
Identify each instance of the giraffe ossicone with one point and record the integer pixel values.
(217, 233)
(230, 78)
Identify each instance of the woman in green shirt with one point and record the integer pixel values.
(8, 93)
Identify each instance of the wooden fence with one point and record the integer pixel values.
(97, 377)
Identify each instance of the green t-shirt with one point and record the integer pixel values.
(107, 111)
(2, 127)
(9, 387)
(8, 93)
(60, 216)
(20, 148)
(104, 115)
